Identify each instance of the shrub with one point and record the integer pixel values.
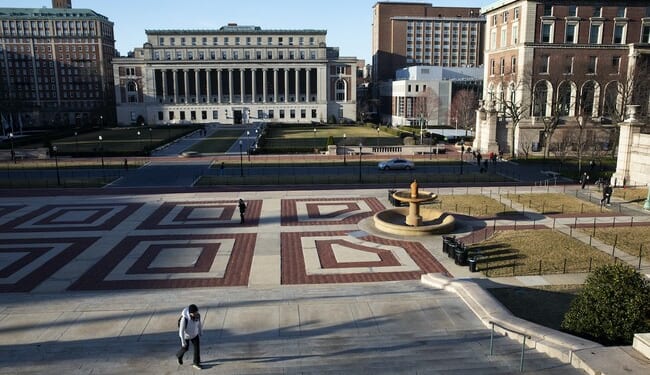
(330, 140)
(613, 305)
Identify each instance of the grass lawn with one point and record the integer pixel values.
(637, 195)
(554, 203)
(471, 205)
(544, 305)
(120, 140)
(628, 239)
(219, 142)
(300, 138)
(534, 252)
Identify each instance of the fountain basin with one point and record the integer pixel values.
(433, 221)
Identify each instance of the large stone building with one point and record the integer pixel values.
(568, 69)
(409, 33)
(55, 66)
(233, 75)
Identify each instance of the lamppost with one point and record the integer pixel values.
(101, 151)
(430, 147)
(377, 136)
(241, 159)
(360, 153)
(101, 121)
(248, 144)
(13, 153)
(421, 125)
(150, 140)
(345, 151)
(76, 143)
(462, 151)
(315, 144)
(56, 165)
(139, 142)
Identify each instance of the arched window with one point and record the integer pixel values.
(589, 99)
(132, 92)
(564, 98)
(540, 99)
(611, 103)
(340, 91)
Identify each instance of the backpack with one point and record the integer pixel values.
(179, 322)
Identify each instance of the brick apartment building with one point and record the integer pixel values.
(55, 66)
(564, 60)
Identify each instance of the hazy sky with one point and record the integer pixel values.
(348, 22)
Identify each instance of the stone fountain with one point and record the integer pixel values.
(413, 220)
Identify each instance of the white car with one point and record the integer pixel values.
(396, 164)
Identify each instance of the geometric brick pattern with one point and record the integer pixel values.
(212, 214)
(72, 217)
(27, 262)
(312, 258)
(4, 210)
(328, 211)
(173, 261)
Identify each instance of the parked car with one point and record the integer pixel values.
(396, 164)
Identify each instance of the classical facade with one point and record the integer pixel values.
(409, 33)
(55, 66)
(563, 66)
(234, 75)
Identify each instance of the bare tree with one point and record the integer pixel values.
(426, 107)
(463, 109)
(514, 102)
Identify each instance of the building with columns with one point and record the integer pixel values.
(234, 75)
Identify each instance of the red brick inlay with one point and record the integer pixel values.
(290, 210)
(328, 258)
(229, 215)
(120, 213)
(55, 217)
(4, 210)
(33, 249)
(293, 262)
(236, 273)
(203, 263)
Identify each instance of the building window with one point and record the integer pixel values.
(597, 12)
(493, 39)
(568, 65)
(271, 113)
(515, 34)
(619, 33)
(492, 66)
(547, 32)
(503, 37)
(645, 34)
(516, 13)
(594, 33)
(543, 68)
(548, 10)
(616, 63)
(215, 115)
(573, 11)
(160, 116)
(313, 113)
(340, 91)
(593, 61)
(502, 68)
(282, 113)
(620, 12)
(571, 34)
(513, 64)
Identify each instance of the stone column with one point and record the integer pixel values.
(307, 84)
(275, 85)
(241, 84)
(197, 85)
(253, 93)
(264, 83)
(230, 86)
(175, 73)
(628, 136)
(164, 84)
(219, 86)
(186, 84)
(208, 82)
(286, 85)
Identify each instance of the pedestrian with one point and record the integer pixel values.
(608, 193)
(242, 210)
(604, 198)
(223, 165)
(126, 164)
(189, 330)
(584, 179)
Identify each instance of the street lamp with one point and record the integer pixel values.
(56, 164)
(139, 142)
(377, 136)
(248, 144)
(241, 159)
(421, 126)
(101, 121)
(315, 144)
(76, 143)
(101, 150)
(462, 151)
(345, 151)
(150, 140)
(360, 153)
(13, 153)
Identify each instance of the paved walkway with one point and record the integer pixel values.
(93, 284)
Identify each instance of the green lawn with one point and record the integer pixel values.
(287, 138)
(120, 140)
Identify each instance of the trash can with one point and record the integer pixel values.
(451, 249)
(460, 255)
(392, 200)
(446, 244)
(473, 264)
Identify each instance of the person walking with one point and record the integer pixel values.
(584, 180)
(242, 210)
(608, 193)
(189, 330)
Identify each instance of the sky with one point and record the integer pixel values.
(348, 22)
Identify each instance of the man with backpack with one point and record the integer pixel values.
(189, 330)
(242, 210)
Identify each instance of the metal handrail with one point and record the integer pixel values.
(523, 345)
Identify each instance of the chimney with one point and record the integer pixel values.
(66, 4)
